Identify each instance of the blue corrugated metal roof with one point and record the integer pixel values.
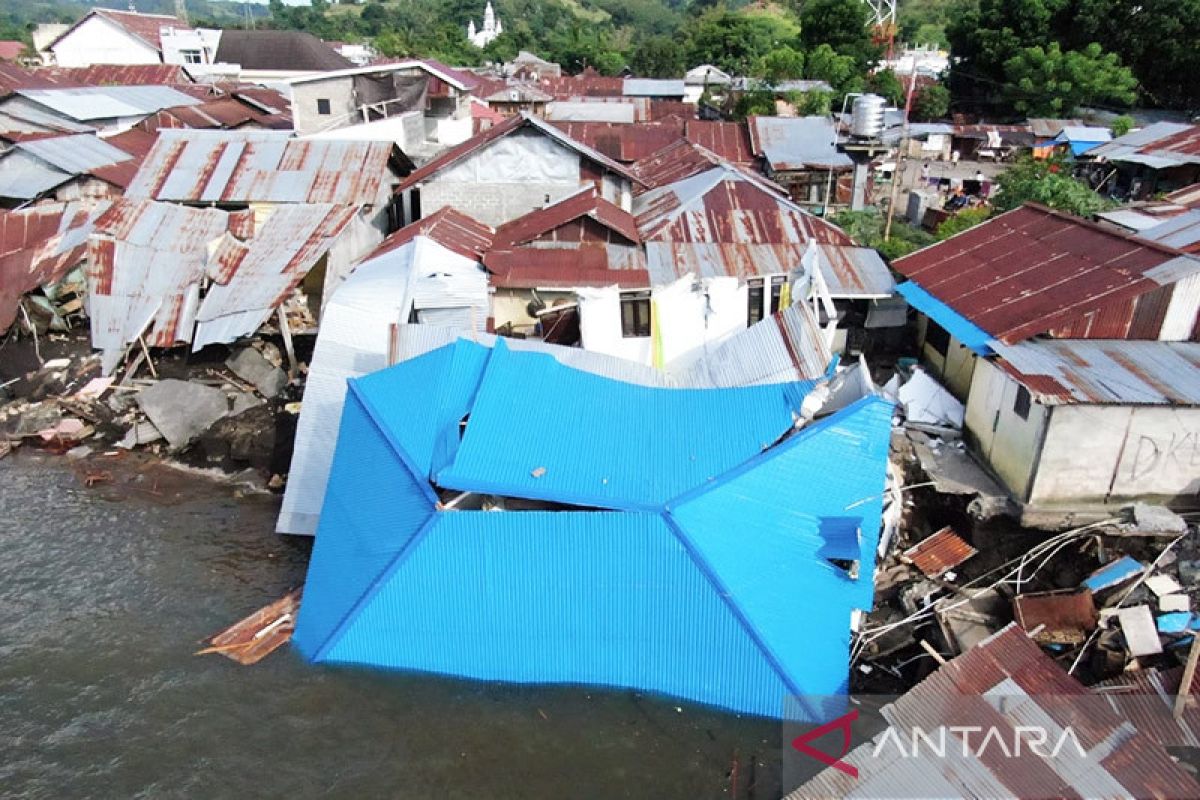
(726, 596)
(542, 430)
(959, 326)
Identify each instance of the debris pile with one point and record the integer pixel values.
(1105, 599)
(224, 415)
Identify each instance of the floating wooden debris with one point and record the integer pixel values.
(258, 635)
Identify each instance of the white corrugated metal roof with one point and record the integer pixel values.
(75, 154)
(107, 102)
(1103, 371)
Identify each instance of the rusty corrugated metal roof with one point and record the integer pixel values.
(797, 143)
(13, 77)
(585, 203)
(727, 140)
(564, 268)
(448, 227)
(1105, 372)
(1007, 681)
(224, 113)
(117, 75)
(38, 246)
(247, 166)
(1034, 270)
(938, 554)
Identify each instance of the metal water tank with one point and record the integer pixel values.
(866, 116)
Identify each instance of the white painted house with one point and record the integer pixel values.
(106, 36)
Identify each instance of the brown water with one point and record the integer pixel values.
(105, 593)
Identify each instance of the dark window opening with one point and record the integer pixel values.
(754, 302)
(635, 314)
(937, 337)
(1021, 403)
(323, 106)
(776, 290)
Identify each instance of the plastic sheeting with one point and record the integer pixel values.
(516, 158)
(661, 600)
(926, 401)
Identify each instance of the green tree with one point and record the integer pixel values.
(842, 25)
(1047, 182)
(885, 84)
(811, 104)
(1121, 125)
(658, 57)
(757, 101)
(931, 102)
(840, 72)
(609, 63)
(1050, 83)
(736, 41)
(780, 65)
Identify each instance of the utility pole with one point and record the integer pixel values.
(181, 10)
(912, 82)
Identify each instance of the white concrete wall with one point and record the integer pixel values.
(955, 369)
(340, 94)
(202, 40)
(98, 41)
(1006, 442)
(1116, 453)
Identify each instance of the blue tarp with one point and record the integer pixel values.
(729, 581)
(956, 324)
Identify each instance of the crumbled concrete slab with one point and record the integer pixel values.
(182, 410)
(1157, 519)
(254, 368)
(243, 401)
(141, 433)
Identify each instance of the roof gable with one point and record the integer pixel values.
(586, 203)
(147, 28)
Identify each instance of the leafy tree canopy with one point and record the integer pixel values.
(1046, 82)
(1047, 182)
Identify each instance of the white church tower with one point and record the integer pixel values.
(492, 27)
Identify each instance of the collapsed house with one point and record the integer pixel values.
(65, 168)
(1075, 349)
(619, 569)
(40, 248)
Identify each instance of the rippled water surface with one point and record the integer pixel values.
(105, 593)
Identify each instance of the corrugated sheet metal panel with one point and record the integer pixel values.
(726, 205)
(1071, 371)
(584, 203)
(377, 506)
(797, 143)
(117, 75)
(939, 553)
(623, 142)
(651, 87)
(657, 455)
(851, 272)
(1033, 270)
(829, 475)
(448, 227)
(727, 140)
(261, 166)
(1181, 232)
(282, 252)
(74, 154)
(25, 177)
(559, 597)
(107, 102)
(787, 346)
(1008, 665)
(38, 246)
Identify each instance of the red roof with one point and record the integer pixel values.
(729, 140)
(225, 113)
(1035, 270)
(134, 141)
(481, 140)
(118, 75)
(10, 50)
(586, 204)
(13, 78)
(535, 267)
(623, 141)
(1186, 142)
(683, 159)
(451, 229)
(588, 84)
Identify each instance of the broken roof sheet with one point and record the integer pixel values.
(1098, 371)
(38, 246)
(638, 470)
(1034, 270)
(514, 123)
(937, 554)
(1001, 684)
(357, 607)
(797, 143)
(87, 103)
(245, 166)
(586, 203)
